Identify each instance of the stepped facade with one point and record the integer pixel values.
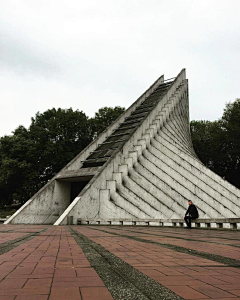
(143, 167)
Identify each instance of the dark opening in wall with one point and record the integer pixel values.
(76, 188)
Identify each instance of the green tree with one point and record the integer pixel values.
(18, 175)
(104, 117)
(209, 143)
(231, 124)
(217, 143)
(58, 135)
(31, 157)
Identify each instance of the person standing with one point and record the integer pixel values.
(191, 213)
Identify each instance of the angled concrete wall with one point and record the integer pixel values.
(46, 205)
(149, 177)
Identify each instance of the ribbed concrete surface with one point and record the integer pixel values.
(166, 172)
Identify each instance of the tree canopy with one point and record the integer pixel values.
(104, 117)
(217, 143)
(30, 157)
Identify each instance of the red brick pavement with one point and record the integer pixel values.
(49, 266)
(199, 245)
(52, 265)
(10, 236)
(12, 232)
(219, 236)
(188, 276)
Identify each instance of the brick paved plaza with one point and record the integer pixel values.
(40, 262)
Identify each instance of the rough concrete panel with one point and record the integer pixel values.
(36, 210)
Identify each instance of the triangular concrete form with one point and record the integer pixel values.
(142, 167)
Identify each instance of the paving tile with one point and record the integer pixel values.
(235, 298)
(35, 291)
(32, 297)
(45, 270)
(236, 292)
(21, 271)
(34, 275)
(65, 273)
(96, 294)
(211, 291)
(65, 293)
(77, 279)
(85, 272)
(228, 287)
(173, 283)
(183, 278)
(203, 271)
(168, 271)
(209, 279)
(48, 259)
(185, 270)
(187, 292)
(79, 283)
(151, 273)
(227, 278)
(35, 283)
(12, 283)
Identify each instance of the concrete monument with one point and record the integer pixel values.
(142, 167)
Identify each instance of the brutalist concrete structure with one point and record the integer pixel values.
(143, 167)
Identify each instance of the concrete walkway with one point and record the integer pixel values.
(40, 262)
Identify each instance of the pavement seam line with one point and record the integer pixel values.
(9, 245)
(50, 290)
(181, 238)
(121, 279)
(231, 262)
(24, 240)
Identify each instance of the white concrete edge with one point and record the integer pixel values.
(66, 212)
(18, 211)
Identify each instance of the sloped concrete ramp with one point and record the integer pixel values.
(142, 167)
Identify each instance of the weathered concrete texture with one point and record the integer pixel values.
(149, 176)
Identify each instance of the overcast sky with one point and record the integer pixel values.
(91, 54)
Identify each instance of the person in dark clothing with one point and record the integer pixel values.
(191, 213)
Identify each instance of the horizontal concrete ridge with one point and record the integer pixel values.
(139, 171)
(233, 223)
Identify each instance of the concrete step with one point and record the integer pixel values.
(109, 206)
(193, 184)
(193, 174)
(127, 206)
(224, 187)
(134, 193)
(136, 186)
(152, 209)
(149, 190)
(181, 192)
